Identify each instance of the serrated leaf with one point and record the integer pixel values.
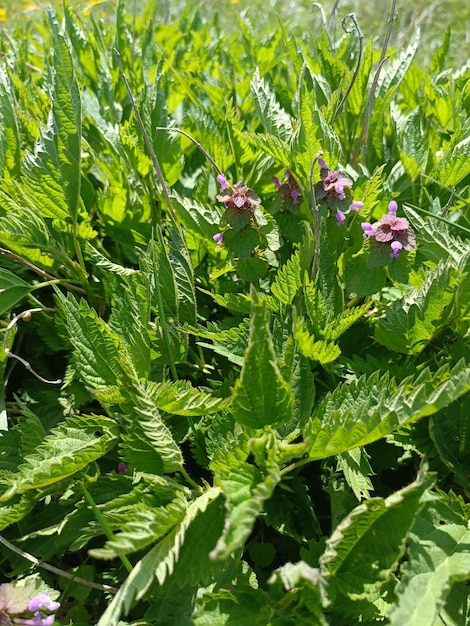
(368, 409)
(367, 545)
(246, 488)
(181, 398)
(53, 171)
(64, 452)
(319, 350)
(96, 347)
(275, 120)
(410, 323)
(261, 396)
(158, 564)
(288, 280)
(438, 556)
(148, 444)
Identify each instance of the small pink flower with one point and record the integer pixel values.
(122, 468)
(392, 208)
(341, 217)
(218, 238)
(356, 206)
(43, 601)
(222, 181)
(396, 247)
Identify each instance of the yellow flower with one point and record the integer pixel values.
(3, 14)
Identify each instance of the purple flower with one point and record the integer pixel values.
(396, 247)
(122, 468)
(341, 217)
(43, 601)
(218, 238)
(356, 206)
(333, 185)
(288, 190)
(222, 181)
(393, 231)
(239, 196)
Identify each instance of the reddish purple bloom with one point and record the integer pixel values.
(333, 185)
(289, 189)
(356, 206)
(43, 601)
(239, 196)
(122, 468)
(393, 231)
(218, 238)
(341, 217)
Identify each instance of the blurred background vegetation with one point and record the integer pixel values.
(304, 18)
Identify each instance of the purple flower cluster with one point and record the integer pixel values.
(392, 231)
(335, 190)
(238, 196)
(240, 203)
(288, 190)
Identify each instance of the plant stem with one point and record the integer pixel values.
(316, 221)
(352, 17)
(148, 143)
(104, 524)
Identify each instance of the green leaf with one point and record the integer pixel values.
(53, 172)
(246, 488)
(69, 448)
(288, 280)
(97, 348)
(410, 323)
(148, 444)
(261, 396)
(10, 141)
(366, 547)
(12, 290)
(450, 432)
(438, 556)
(275, 120)
(181, 398)
(368, 409)
(159, 563)
(318, 350)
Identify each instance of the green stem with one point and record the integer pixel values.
(104, 524)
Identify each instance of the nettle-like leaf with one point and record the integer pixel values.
(97, 348)
(438, 557)
(365, 548)
(181, 398)
(141, 528)
(261, 396)
(319, 350)
(147, 445)
(275, 120)
(163, 560)
(9, 136)
(52, 172)
(411, 323)
(435, 239)
(288, 280)
(368, 409)
(65, 451)
(246, 488)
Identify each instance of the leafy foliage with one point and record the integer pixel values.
(220, 402)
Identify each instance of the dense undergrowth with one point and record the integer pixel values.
(235, 341)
